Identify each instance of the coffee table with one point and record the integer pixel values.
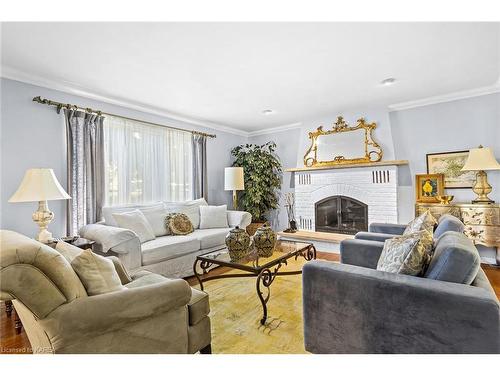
(264, 269)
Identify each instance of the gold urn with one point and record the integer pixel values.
(264, 240)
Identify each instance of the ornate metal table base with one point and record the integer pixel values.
(265, 276)
(17, 321)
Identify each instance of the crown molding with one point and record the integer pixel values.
(276, 129)
(486, 90)
(71, 88)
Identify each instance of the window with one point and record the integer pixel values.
(145, 163)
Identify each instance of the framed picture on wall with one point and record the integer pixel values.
(429, 186)
(450, 164)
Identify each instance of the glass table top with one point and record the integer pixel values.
(283, 249)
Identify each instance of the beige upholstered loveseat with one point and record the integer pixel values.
(152, 314)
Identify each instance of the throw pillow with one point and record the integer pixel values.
(137, 223)
(408, 254)
(97, 273)
(190, 208)
(156, 218)
(213, 217)
(423, 222)
(179, 224)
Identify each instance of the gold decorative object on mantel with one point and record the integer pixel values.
(343, 144)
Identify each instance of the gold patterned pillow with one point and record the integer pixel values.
(178, 224)
(408, 254)
(423, 222)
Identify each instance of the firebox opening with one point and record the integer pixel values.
(341, 214)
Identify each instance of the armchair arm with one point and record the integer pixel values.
(387, 228)
(239, 218)
(373, 236)
(349, 309)
(96, 315)
(361, 253)
(107, 236)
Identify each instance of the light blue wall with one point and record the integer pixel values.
(32, 135)
(452, 126)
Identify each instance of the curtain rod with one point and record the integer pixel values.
(59, 106)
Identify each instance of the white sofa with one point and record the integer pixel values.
(171, 256)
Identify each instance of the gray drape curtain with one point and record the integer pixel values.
(85, 168)
(200, 185)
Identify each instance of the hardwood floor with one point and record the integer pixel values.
(12, 343)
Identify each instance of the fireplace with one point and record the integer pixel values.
(341, 214)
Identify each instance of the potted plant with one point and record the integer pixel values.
(262, 173)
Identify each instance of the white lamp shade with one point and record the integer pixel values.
(233, 178)
(39, 184)
(481, 159)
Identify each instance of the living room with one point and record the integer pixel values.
(250, 187)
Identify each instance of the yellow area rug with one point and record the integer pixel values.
(236, 312)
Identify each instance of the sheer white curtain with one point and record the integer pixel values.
(146, 163)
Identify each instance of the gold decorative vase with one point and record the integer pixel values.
(264, 240)
(237, 242)
(445, 199)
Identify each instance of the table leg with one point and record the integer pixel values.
(8, 308)
(265, 278)
(195, 271)
(17, 323)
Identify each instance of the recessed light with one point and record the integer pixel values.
(388, 81)
(267, 112)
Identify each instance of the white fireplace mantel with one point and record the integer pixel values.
(374, 184)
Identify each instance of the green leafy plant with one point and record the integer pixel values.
(263, 173)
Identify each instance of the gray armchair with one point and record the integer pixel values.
(383, 231)
(353, 308)
(152, 314)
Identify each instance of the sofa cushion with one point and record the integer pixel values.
(198, 306)
(448, 223)
(97, 273)
(156, 218)
(455, 259)
(211, 237)
(407, 254)
(190, 208)
(168, 247)
(137, 223)
(107, 212)
(213, 217)
(178, 224)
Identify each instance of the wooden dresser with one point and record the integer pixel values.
(482, 221)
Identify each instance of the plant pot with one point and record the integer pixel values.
(264, 240)
(237, 242)
(252, 227)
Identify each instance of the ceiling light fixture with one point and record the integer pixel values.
(267, 112)
(388, 81)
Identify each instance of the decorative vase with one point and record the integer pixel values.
(237, 242)
(264, 240)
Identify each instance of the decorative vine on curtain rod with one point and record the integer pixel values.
(59, 106)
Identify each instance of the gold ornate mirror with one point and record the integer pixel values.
(343, 144)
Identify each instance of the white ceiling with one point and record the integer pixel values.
(227, 73)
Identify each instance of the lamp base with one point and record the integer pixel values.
(235, 200)
(43, 216)
(482, 188)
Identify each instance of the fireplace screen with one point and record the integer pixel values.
(340, 214)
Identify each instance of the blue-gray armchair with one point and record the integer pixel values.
(353, 308)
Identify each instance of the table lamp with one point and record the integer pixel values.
(481, 159)
(40, 185)
(233, 180)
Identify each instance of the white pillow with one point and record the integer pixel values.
(190, 208)
(156, 218)
(213, 217)
(137, 223)
(108, 211)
